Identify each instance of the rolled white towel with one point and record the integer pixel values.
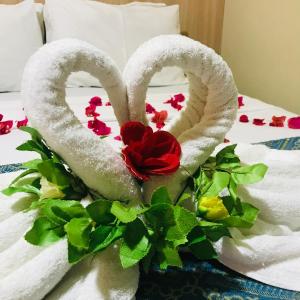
(211, 108)
(270, 250)
(43, 92)
(98, 278)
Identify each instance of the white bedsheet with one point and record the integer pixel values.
(11, 108)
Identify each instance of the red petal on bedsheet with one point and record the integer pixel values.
(294, 123)
(22, 122)
(97, 101)
(99, 127)
(240, 101)
(277, 121)
(6, 126)
(150, 109)
(258, 122)
(244, 119)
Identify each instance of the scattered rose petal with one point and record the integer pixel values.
(1, 117)
(244, 119)
(107, 103)
(277, 121)
(226, 140)
(159, 118)
(22, 122)
(118, 138)
(179, 97)
(99, 127)
(174, 103)
(258, 122)
(97, 101)
(294, 123)
(90, 111)
(150, 109)
(240, 101)
(5, 127)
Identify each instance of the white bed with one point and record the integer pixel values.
(11, 108)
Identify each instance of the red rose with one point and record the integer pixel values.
(149, 153)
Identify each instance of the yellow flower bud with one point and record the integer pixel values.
(212, 208)
(50, 190)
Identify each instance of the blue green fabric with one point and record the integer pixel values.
(204, 279)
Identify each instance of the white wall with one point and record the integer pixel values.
(261, 43)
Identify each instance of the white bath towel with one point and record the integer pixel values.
(211, 106)
(270, 250)
(43, 92)
(32, 272)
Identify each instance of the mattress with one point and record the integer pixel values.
(11, 108)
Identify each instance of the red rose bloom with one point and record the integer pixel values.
(149, 153)
(244, 119)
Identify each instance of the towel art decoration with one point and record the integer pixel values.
(87, 201)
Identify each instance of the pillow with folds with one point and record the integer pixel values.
(116, 29)
(20, 37)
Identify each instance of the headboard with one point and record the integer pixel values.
(201, 20)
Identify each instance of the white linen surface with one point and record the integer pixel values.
(11, 108)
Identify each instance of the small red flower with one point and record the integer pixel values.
(258, 122)
(159, 118)
(107, 103)
(90, 111)
(294, 123)
(5, 126)
(179, 97)
(240, 101)
(99, 127)
(118, 138)
(149, 153)
(150, 109)
(244, 119)
(277, 121)
(22, 122)
(97, 101)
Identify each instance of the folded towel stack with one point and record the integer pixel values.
(211, 108)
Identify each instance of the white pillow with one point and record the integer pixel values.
(20, 37)
(116, 29)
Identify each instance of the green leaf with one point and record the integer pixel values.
(228, 202)
(23, 174)
(249, 174)
(185, 221)
(68, 213)
(35, 147)
(135, 245)
(184, 196)
(32, 164)
(22, 189)
(160, 216)
(200, 246)
(123, 213)
(78, 231)
(246, 220)
(225, 151)
(214, 233)
(44, 232)
(54, 172)
(220, 181)
(75, 254)
(57, 210)
(160, 195)
(169, 257)
(35, 135)
(103, 236)
(99, 211)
